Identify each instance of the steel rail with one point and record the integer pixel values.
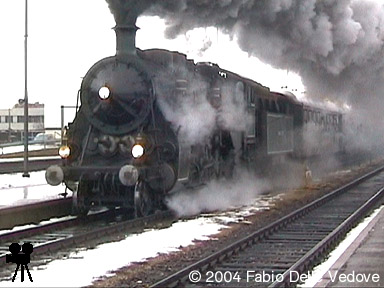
(306, 262)
(91, 232)
(177, 279)
(44, 228)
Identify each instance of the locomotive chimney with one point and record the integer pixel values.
(125, 39)
(126, 13)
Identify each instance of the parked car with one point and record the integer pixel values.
(44, 138)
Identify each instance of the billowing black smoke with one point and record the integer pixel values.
(335, 45)
(126, 11)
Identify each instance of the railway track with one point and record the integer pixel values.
(281, 254)
(73, 232)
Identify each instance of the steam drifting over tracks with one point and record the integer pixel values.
(289, 246)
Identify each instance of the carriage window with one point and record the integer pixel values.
(251, 97)
(240, 90)
(322, 120)
(251, 129)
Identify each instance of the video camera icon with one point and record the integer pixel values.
(21, 259)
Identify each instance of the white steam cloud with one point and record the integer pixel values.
(218, 195)
(191, 113)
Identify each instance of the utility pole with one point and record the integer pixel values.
(26, 173)
(9, 125)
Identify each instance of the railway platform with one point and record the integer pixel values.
(362, 263)
(28, 200)
(15, 165)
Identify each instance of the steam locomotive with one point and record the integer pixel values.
(151, 122)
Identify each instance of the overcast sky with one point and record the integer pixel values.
(67, 37)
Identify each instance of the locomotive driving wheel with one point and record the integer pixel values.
(78, 199)
(144, 202)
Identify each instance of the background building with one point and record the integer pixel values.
(12, 122)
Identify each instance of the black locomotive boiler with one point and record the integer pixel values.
(153, 121)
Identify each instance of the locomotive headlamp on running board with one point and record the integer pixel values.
(140, 146)
(64, 151)
(137, 151)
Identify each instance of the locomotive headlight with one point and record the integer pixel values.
(104, 93)
(137, 151)
(64, 151)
